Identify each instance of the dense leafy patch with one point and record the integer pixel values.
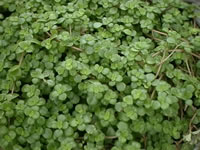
(98, 75)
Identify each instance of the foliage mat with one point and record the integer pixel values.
(99, 75)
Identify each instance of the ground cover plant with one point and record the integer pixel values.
(99, 75)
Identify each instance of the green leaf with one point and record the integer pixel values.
(121, 86)
(150, 77)
(198, 64)
(128, 32)
(14, 73)
(62, 97)
(155, 105)
(139, 94)
(164, 105)
(122, 126)
(171, 40)
(58, 133)
(11, 96)
(47, 133)
(162, 86)
(188, 137)
(189, 102)
(91, 129)
(97, 24)
(128, 100)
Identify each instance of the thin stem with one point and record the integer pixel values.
(76, 48)
(186, 106)
(160, 65)
(153, 37)
(159, 32)
(191, 65)
(180, 141)
(190, 124)
(183, 69)
(195, 127)
(171, 50)
(174, 50)
(195, 55)
(181, 109)
(70, 29)
(106, 137)
(145, 141)
(111, 137)
(155, 54)
(194, 23)
(188, 67)
(21, 59)
(13, 89)
(48, 34)
(184, 40)
(153, 93)
(158, 71)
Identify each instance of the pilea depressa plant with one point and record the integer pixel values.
(99, 75)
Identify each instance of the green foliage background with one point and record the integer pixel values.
(98, 75)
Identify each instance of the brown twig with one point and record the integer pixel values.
(158, 71)
(193, 126)
(165, 34)
(159, 32)
(83, 31)
(183, 69)
(188, 67)
(173, 51)
(191, 65)
(193, 108)
(190, 129)
(178, 143)
(190, 124)
(194, 23)
(177, 146)
(155, 54)
(156, 39)
(184, 40)
(160, 65)
(145, 141)
(76, 48)
(177, 50)
(195, 55)
(181, 109)
(153, 37)
(48, 34)
(111, 137)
